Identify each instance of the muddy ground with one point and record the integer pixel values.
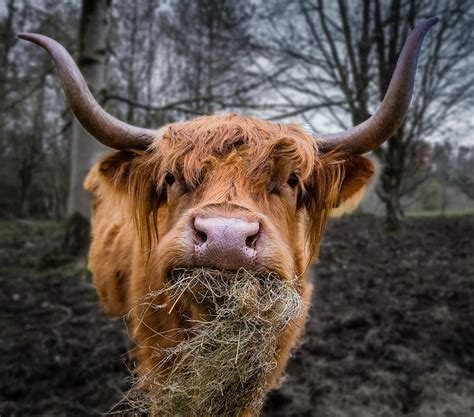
(391, 330)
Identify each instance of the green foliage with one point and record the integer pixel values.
(431, 195)
(448, 213)
(35, 246)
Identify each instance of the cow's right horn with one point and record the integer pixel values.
(101, 125)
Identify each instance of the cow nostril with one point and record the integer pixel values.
(251, 241)
(201, 237)
(199, 229)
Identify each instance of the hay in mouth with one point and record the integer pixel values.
(221, 366)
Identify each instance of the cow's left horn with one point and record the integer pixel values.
(101, 125)
(370, 134)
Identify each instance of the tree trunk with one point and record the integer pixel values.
(444, 198)
(85, 151)
(393, 159)
(4, 68)
(131, 88)
(393, 212)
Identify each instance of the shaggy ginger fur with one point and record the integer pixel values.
(223, 165)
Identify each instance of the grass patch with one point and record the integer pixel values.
(31, 229)
(34, 247)
(439, 213)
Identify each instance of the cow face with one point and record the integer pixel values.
(219, 201)
(228, 192)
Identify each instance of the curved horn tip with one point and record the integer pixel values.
(27, 36)
(428, 22)
(38, 39)
(370, 134)
(35, 38)
(432, 20)
(104, 127)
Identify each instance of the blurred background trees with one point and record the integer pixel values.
(345, 53)
(326, 64)
(34, 122)
(85, 151)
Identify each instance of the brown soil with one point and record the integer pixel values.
(391, 331)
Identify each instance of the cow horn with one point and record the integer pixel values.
(386, 120)
(101, 125)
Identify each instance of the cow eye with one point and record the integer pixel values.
(169, 178)
(293, 180)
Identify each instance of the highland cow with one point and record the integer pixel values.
(203, 232)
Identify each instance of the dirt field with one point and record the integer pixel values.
(391, 330)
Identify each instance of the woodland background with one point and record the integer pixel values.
(325, 64)
(391, 329)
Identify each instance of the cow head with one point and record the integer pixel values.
(219, 220)
(230, 192)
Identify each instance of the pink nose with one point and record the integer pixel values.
(224, 243)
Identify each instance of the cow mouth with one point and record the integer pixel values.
(208, 288)
(222, 363)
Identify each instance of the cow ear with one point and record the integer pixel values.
(336, 187)
(356, 174)
(116, 168)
